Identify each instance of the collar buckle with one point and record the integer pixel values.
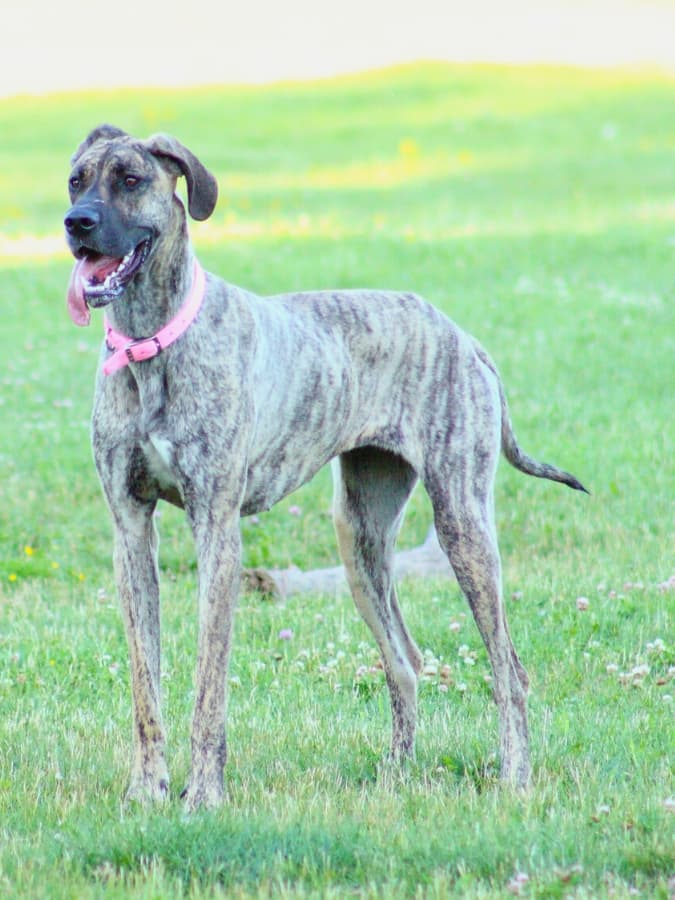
(147, 349)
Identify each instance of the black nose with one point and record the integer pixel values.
(82, 219)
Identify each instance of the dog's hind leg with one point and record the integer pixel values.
(371, 488)
(472, 550)
(460, 485)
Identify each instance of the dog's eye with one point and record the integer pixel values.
(74, 183)
(131, 181)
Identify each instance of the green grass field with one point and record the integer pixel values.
(537, 208)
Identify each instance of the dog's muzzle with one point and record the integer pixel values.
(101, 273)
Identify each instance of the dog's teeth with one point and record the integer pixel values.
(112, 280)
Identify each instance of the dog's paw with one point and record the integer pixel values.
(201, 794)
(515, 770)
(146, 790)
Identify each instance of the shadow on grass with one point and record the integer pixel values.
(210, 850)
(236, 852)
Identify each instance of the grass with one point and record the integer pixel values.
(534, 206)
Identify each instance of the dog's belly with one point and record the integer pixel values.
(271, 479)
(308, 434)
(290, 456)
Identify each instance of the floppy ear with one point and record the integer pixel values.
(102, 133)
(202, 187)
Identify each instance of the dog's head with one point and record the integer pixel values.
(122, 192)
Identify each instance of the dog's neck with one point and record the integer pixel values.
(155, 295)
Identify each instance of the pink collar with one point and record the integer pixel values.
(127, 350)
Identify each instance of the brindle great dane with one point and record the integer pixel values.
(241, 403)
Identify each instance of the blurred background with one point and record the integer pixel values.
(46, 47)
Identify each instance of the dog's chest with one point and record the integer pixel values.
(159, 455)
(154, 432)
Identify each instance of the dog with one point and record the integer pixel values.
(222, 402)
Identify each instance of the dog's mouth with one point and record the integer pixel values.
(97, 280)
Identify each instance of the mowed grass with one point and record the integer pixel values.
(536, 207)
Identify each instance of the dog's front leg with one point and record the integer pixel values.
(218, 544)
(135, 559)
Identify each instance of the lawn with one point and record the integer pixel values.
(536, 206)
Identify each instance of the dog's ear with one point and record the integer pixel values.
(202, 187)
(102, 133)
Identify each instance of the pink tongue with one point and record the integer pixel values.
(84, 271)
(77, 307)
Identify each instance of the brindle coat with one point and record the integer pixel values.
(246, 406)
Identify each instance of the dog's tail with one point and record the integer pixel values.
(510, 446)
